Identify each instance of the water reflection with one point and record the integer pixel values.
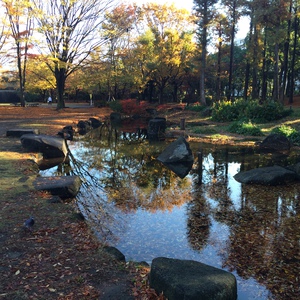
(134, 203)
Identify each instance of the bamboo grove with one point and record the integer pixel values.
(156, 52)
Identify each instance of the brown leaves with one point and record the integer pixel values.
(141, 289)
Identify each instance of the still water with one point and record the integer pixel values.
(137, 205)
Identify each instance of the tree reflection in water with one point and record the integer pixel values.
(135, 203)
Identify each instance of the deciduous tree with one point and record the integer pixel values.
(71, 32)
(19, 14)
(165, 49)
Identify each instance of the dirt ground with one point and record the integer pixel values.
(60, 258)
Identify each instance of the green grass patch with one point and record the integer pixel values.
(245, 128)
(204, 130)
(13, 181)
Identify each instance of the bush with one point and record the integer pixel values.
(291, 133)
(115, 106)
(266, 112)
(129, 107)
(245, 128)
(227, 111)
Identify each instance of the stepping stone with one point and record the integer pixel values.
(191, 280)
(18, 132)
(50, 146)
(62, 186)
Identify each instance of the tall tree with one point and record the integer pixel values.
(71, 32)
(20, 18)
(233, 8)
(221, 29)
(165, 48)
(117, 28)
(204, 11)
(295, 44)
(286, 51)
(3, 37)
(39, 78)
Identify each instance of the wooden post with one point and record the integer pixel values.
(182, 124)
(200, 169)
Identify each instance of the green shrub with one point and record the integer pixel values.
(245, 128)
(291, 133)
(266, 112)
(116, 106)
(284, 130)
(226, 111)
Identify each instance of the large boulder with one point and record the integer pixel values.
(275, 142)
(191, 280)
(67, 133)
(84, 126)
(178, 151)
(62, 186)
(273, 175)
(178, 157)
(96, 123)
(49, 146)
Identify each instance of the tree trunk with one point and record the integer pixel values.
(286, 58)
(218, 93)
(255, 87)
(230, 89)
(21, 87)
(202, 75)
(247, 72)
(275, 80)
(60, 76)
(203, 56)
(295, 44)
(264, 72)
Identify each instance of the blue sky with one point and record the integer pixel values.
(243, 25)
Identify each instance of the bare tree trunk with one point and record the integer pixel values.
(264, 72)
(255, 88)
(230, 89)
(286, 58)
(275, 80)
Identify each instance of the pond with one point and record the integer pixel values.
(139, 206)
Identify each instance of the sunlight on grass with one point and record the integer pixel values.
(36, 125)
(11, 163)
(8, 155)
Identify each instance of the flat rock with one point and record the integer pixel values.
(63, 186)
(18, 132)
(274, 175)
(50, 146)
(191, 280)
